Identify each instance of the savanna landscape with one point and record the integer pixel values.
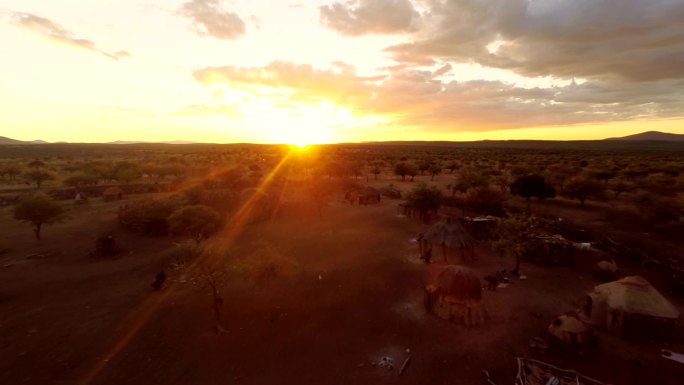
(279, 274)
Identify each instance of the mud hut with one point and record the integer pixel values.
(113, 194)
(570, 330)
(390, 192)
(632, 307)
(450, 239)
(456, 296)
(365, 196)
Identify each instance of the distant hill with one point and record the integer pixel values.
(653, 136)
(142, 142)
(6, 140)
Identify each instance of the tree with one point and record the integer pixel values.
(80, 180)
(485, 200)
(424, 199)
(619, 186)
(375, 170)
(38, 209)
(452, 166)
(513, 240)
(435, 169)
(424, 166)
(581, 188)
(36, 164)
(469, 178)
(38, 176)
(402, 169)
(198, 222)
(12, 170)
(530, 186)
(126, 172)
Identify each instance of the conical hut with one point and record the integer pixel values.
(632, 306)
(456, 296)
(450, 238)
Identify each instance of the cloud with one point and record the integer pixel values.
(354, 18)
(629, 40)
(56, 32)
(418, 98)
(210, 19)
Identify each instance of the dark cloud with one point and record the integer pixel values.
(631, 40)
(210, 19)
(415, 97)
(354, 18)
(58, 33)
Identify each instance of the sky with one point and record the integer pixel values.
(321, 71)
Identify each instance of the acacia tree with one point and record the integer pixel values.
(435, 169)
(583, 188)
(39, 176)
(38, 209)
(425, 199)
(513, 238)
(198, 222)
(530, 186)
(402, 169)
(469, 178)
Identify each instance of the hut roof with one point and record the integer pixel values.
(459, 282)
(636, 295)
(369, 191)
(570, 323)
(450, 234)
(113, 191)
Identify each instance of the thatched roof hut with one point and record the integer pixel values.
(571, 330)
(390, 192)
(632, 306)
(456, 296)
(363, 196)
(451, 237)
(113, 194)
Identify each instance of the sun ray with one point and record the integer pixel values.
(148, 307)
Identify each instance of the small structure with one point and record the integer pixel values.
(632, 307)
(456, 296)
(570, 330)
(607, 270)
(390, 192)
(481, 228)
(368, 196)
(365, 196)
(533, 372)
(105, 246)
(113, 194)
(80, 198)
(551, 250)
(449, 236)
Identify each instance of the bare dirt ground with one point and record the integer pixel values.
(308, 300)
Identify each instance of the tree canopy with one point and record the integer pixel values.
(198, 222)
(38, 209)
(530, 186)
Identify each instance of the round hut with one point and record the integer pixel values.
(456, 296)
(450, 239)
(369, 195)
(113, 194)
(570, 330)
(630, 306)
